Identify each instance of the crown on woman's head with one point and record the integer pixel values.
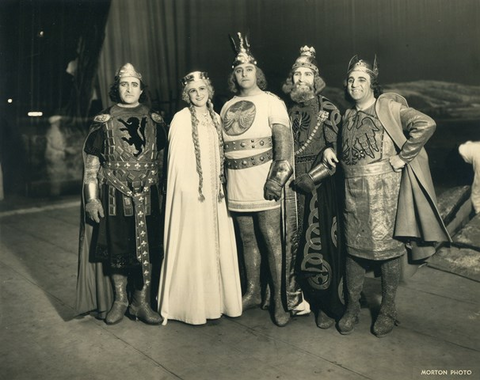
(243, 51)
(193, 76)
(357, 64)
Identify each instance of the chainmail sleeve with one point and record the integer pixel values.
(92, 165)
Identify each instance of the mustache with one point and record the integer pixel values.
(303, 87)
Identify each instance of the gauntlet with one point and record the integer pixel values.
(281, 169)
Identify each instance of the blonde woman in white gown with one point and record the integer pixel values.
(199, 279)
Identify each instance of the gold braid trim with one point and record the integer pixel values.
(218, 127)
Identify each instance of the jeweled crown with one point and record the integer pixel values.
(306, 59)
(193, 76)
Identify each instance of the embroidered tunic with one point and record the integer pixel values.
(371, 187)
(320, 256)
(247, 133)
(129, 145)
(139, 137)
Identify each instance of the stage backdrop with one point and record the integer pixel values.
(413, 39)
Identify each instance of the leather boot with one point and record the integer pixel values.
(323, 321)
(140, 308)
(355, 275)
(119, 307)
(387, 318)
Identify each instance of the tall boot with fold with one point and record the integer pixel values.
(119, 307)
(387, 318)
(355, 276)
(140, 307)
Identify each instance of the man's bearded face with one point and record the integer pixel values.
(303, 81)
(302, 92)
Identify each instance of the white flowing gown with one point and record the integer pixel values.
(199, 279)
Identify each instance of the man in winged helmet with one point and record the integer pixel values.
(389, 194)
(259, 157)
(121, 231)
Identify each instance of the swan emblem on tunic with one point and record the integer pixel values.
(239, 118)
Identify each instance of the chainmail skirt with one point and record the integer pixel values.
(371, 198)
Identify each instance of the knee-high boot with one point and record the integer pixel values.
(140, 307)
(119, 307)
(387, 318)
(355, 275)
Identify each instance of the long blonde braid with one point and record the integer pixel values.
(218, 128)
(197, 151)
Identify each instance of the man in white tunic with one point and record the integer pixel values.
(259, 150)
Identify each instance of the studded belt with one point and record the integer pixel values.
(248, 162)
(132, 165)
(262, 142)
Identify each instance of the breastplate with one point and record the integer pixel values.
(131, 151)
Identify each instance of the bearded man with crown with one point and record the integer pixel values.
(320, 257)
(258, 146)
(390, 202)
(120, 234)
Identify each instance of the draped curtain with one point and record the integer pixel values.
(165, 39)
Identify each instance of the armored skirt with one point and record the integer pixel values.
(200, 278)
(372, 187)
(371, 198)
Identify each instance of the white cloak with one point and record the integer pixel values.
(199, 279)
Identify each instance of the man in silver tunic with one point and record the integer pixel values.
(389, 194)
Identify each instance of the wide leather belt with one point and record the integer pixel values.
(260, 143)
(248, 162)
